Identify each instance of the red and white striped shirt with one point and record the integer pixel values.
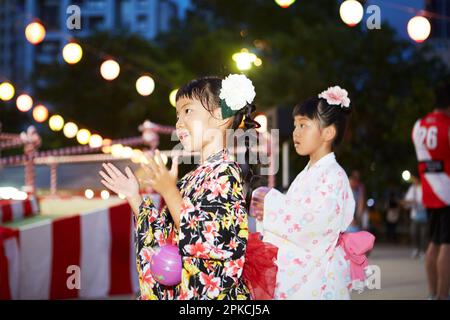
(431, 137)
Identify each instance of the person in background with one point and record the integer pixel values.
(360, 220)
(418, 215)
(431, 137)
(392, 218)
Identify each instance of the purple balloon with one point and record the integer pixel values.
(166, 265)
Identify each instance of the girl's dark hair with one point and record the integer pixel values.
(318, 109)
(207, 91)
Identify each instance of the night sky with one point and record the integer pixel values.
(396, 17)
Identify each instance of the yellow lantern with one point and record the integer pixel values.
(56, 122)
(110, 70)
(351, 12)
(127, 152)
(88, 193)
(95, 141)
(6, 91)
(104, 194)
(40, 113)
(107, 142)
(284, 3)
(106, 149)
(83, 136)
(70, 130)
(145, 85)
(116, 150)
(24, 102)
(35, 32)
(136, 157)
(72, 53)
(419, 28)
(172, 97)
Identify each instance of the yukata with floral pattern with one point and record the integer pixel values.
(305, 224)
(212, 237)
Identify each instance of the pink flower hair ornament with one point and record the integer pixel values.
(336, 96)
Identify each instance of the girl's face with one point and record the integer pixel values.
(196, 126)
(308, 136)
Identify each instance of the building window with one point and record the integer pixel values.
(141, 21)
(48, 11)
(97, 4)
(96, 23)
(142, 3)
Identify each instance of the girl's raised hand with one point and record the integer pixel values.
(118, 182)
(161, 179)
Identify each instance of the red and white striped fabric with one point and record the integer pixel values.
(9, 264)
(100, 244)
(13, 210)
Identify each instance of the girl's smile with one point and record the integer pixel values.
(182, 134)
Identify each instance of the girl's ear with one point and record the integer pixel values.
(329, 133)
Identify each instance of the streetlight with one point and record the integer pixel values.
(245, 59)
(406, 175)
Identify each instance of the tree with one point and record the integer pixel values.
(304, 49)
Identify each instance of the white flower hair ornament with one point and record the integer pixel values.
(336, 96)
(237, 91)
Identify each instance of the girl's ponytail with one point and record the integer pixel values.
(249, 170)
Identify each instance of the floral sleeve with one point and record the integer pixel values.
(153, 226)
(213, 223)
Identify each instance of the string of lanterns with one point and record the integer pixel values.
(109, 69)
(418, 27)
(72, 53)
(84, 136)
(351, 12)
(57, 123)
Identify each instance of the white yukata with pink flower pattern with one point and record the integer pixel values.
(305, 224)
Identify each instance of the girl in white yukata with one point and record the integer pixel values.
(306, 223)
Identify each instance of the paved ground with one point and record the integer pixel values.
(401, 276)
